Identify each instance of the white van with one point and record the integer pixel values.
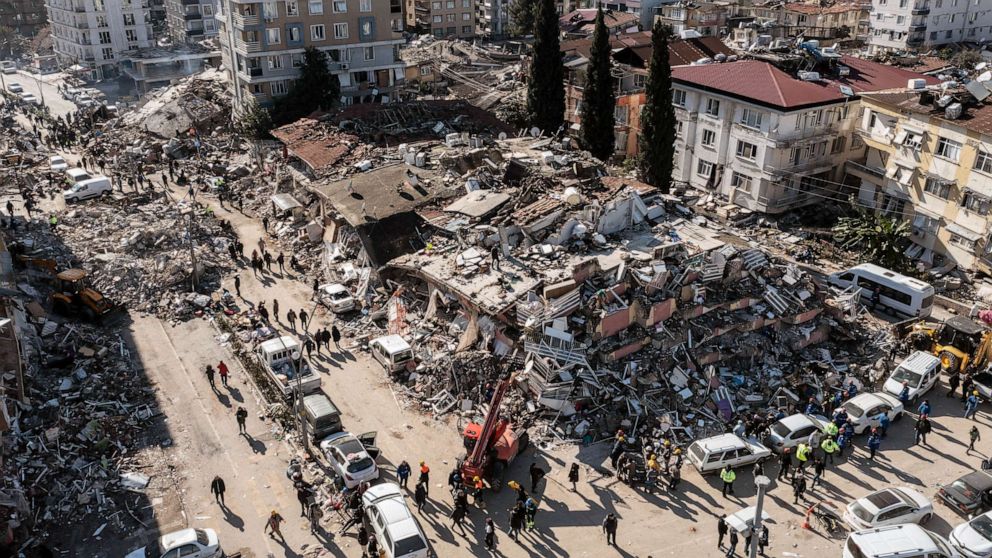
(920, 371)
(392, 351)
(89, 188)
(391, 523)
(709, 455)
(75, 175)
(900, 294)
(908, 540)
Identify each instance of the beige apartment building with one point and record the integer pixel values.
(262, 45)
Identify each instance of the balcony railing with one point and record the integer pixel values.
(188, 17)
(241, 20)
(858, 167)
(247, 46)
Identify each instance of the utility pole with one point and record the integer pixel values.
(762, 482)
(192, 248)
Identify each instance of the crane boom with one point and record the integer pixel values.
(478, 455)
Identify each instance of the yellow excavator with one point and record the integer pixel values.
(75, 296)
(958, 342)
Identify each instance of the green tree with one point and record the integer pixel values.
(598, 97)
(546, 87)
(521, 14)
(252, 121)
(877, 238)
(657, 139)
(316, 89)
(966, 59)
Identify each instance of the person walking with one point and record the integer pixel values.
(316, 514)
(536, 474)
(224, 371)
(818, 467)
(573, 476)
(675, 476)
(210, 376)
(457, 517)
(267, 256)
(303, 494)
(971, 406)
(490, 534)
(785, 463)
(874, 442)
(275, 309)
(265, 223)
(308, 345)
(272, 525)
(923, 428)
(263, 312)
(883, 424)
(953, 381)
(973, 436)
(425, 475)
(281, 260)
(325, 338)
(291, 318)
(217, 488)
(734, 538)
(763, 539)
(530, 509)
(802, 456)
(798, 488)
(610, 528)
(829, 447)
(303, 319)
(336, 337)
(420, 496)
(728, 476)
(924, 408)
(721, 530)
(242, 416)
(362, 537)
(403, 473)
(966, 384)
(516, 519)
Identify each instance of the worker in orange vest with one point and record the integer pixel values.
(425, 473)
(479, 487)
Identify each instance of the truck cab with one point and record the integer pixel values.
(283, 360)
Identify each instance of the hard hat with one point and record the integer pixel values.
(667, 443)
(975, 392)
(421, 462)
(653, 456)
(476, 478)
(678, 451)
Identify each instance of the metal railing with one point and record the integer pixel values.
(874, 171)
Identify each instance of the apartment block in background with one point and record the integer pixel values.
(924, 24)
(493, 17)
(95, 34)
(25, 17)
(706, 18)
(450, 19)
(190, 21)
(262, 45)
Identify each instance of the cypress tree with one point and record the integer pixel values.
(546, 88)
(521, 14)
(598, 97)
(657, 140)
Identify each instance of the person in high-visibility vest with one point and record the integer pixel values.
(802, 456)
(831, 429)
(829, 447)
(728, 476)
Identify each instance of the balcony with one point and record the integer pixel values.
(861, 170)
(189, 17)
(914, 41)
(191, 2)
(916, 27)
(245, 46)
(79, 8)
(254, 72)
(194, 32)
(921, 11)
(243, 21)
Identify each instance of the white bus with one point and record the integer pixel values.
(897, 293)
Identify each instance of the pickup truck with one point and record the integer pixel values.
(282, 358)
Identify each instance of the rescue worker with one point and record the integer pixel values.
(829, 447)
(728, 476)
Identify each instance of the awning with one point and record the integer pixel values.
(967, 234)
(285, 202)
(914, 130)
(900, 137)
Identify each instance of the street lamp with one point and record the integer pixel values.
(762, 482)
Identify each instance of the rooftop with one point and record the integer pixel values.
(839, 7)
(975, 117)
(584, 20)
(305, 139)
(681, 52)
(765, 84)
(382, 192)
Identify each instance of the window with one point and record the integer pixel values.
(913, 141)
(128, 19)
(466, 29)
(938, 187)
(976, 203)
(746, 150)
(315, 7)
(425, 70)
(437, 19)
(923, 225)
(449, 17)
(278, 88)
(435, 5)
(960, 240)
(131, 35)
(751, 118)
(275, 62)
(466, 16)
(294, 34)
(741, 182)
(339, 6)
(948, 34)
(983, 162)
(450, 4)
(317, 32)
(365, 6)
(466, 3)
(270, 10)
(900, 20)
(208, 10)
(709, 138)
(104, 37)
(292, 8)
(678, 129)
(948, 149)
(838, 145)
(272, 36)
(369, 53)
(366, 28)
(340, 30)
(678, 97)
(297, 60)
(704, 168)
(712, 107)
(108, 53)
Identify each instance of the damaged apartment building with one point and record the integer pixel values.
(598, 291)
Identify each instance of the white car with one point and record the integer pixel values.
(10, 68)
(14, 87)
(889, 506)
(57, 163)
(973, 539)
(350, 457)
(188, 543)
(865, 409)
(794, 430)
(394, 527)
(336, 297)
(30, 99)
(905, 541)
(919, 370)
(709, 455)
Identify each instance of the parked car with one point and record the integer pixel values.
(15, 87)
(793, 430)
(389, 520)
(57, 163)
(969, 494)
(973, 539)
(337, 298)
(905, 541)
(352, 457)
(865, 409)
(187, 543)
(89, 188)
(30, 99)
(889, 506)
(8, 67)
(919, 370)
(392, 352)
(709, 455)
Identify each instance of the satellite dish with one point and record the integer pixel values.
(501, 136)
(846, 91)
(987, 76)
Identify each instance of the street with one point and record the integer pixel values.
(45, 91)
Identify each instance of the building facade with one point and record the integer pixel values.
(924, 24)
(706, 18)
(493, 17)
(95, 34)
(262, 45)
(452, 19)
(190, 21)
(25, 17)
(935, 171)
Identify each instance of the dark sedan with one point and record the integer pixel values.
(969, 494)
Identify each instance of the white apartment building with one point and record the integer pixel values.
(764, 139)
(493, 17)
(96, 33)
(923, 24)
